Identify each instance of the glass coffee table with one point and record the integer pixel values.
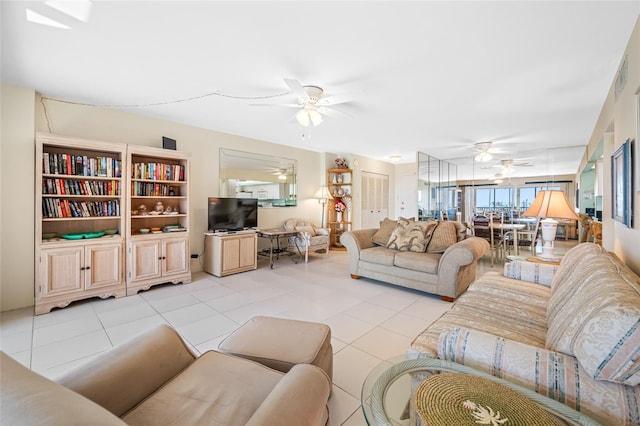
(387, 390)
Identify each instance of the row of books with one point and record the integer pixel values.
(80, 187)
(157, 171)
(80, 165)
(55, 208)
(151, 189)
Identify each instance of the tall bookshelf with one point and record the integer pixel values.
(157, 216)
(79, 220)
(340, 185)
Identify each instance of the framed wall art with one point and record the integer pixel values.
(622, 184)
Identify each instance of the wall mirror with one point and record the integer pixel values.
(272, 180)
(437, 188)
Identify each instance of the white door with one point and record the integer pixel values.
(407, 196)
(375, 199)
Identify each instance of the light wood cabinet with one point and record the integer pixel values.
(155, 260)
(78, 196)
(74, 271)
(227, 254)
(340, 185)
(158, 217)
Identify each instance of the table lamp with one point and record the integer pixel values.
(550, 205)
(322, 195)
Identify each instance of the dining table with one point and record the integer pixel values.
(509, 227)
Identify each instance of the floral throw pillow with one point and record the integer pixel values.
(409, 235)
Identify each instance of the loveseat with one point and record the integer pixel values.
(156, 380)
(309, 237)
(571, 332)
(443, 263)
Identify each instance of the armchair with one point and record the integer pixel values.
(309, 237)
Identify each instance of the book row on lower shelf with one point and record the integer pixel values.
(55, 208)
(146, 189)
(80, 165)
(80, 187)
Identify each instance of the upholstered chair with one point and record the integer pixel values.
(309, 237)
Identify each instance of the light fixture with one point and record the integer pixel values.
(550, 205)
(309, 114)
(322, 195)
(395, 158)
(282, 176)
(483, 157)
(483, 151)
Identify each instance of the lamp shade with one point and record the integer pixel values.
(322, 193)
(551, 204)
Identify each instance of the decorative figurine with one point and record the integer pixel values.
(142, 209)
(159, 207)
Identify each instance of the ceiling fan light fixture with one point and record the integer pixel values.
(483, 157)
(315, 116)
(303, 118)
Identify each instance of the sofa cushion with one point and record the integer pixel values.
(382, 235)
(30, 399)
(444, 235)
(595, 314)
(552, 374)
(380, 255)
(240, 388)
(461, 230)
(482, 307)
(423, 262)
(410, 236)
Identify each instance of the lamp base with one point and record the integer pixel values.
(548, 229)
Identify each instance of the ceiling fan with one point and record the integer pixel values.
(509, 165)
(311, 102)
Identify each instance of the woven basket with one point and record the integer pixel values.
(461, 399)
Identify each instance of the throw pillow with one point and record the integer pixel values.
(444, 235)
(461, 230)
(382, 235)
(306, 228)
(321, 231)
(409, 236)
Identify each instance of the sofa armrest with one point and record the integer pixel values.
(299, 398)
(125, 375)
(538, 273)
(460, 254)
(357, 240)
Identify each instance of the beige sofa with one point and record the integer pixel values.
(156, 380)
(571, 332)
(447, 274)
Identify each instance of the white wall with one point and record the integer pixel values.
(17, 150)
(619, 116)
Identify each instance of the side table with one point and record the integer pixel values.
(274, 236)
(387, 390)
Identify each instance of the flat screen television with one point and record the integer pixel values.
(232, 214)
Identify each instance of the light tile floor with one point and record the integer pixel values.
(370, 321)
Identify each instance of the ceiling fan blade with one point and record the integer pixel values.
(332, 112)
(297, 88)
(336, 100)
(278, 105)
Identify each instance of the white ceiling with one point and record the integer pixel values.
(434, 77)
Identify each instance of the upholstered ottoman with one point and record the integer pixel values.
(282, 343)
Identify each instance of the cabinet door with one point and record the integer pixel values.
(175, 256)
(103, 265)
(145, 260)
(230, 254)
(61, 271)
(248, 252)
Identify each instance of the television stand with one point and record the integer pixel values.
(231, 252)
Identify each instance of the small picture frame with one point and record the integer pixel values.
(622, 184)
